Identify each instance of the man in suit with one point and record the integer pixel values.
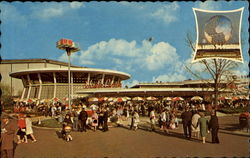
(187, 122)
(214, 126)
(105, 120)
(8, 131)
(83, 116)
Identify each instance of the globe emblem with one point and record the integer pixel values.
(218, 30)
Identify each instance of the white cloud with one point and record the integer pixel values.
(162, 54)
(76, 4)
(9, 13)
(243, 69)
(170, 77)
(53, 9)
(130, 83)
(166, 13)
(209, 5)
(127, 55)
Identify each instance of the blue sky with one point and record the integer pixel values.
(112, 35)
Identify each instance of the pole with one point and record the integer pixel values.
(69, 80)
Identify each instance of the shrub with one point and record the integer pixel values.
(231, 110)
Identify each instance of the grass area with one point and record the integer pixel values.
(50, 123)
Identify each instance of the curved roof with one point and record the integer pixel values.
(123, 75)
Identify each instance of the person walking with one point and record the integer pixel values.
(105, 120)
(164, 120)
(21, 133)
(8, 131)
(195, 127)
(29, 130)
(203, 123)
(83, 116)
(136, 120)
(213, 125)
(152, 120)
(94, 120)
(186, 122)
(132, 120)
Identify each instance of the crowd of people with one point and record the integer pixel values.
(96, 116)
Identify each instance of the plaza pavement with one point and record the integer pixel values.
(124, 143)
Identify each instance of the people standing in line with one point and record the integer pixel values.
(29, 130)
(164, 120)
(94, 120)
(21, 133)
(214, 126)
(195, 127)
(136, 120)
(152, 120)
(83, 116)
(8, 131)
(203, 123)
(105, 120)
(187, 122)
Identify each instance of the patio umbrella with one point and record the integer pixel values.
(120, 99)
(224, 98)
(137, 99)
(103, 99)
(151, 98)
(177, 98)
(111, 99)
(127, 98)
(196, 98)
(93, 99)
(235, 98)
(65, 98)
(55, 99)
(167, 98)
(30, 100)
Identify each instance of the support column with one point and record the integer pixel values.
(103, 75)
(28, 96)
(72, 88)
(88, 79)
(113, 79)
(24, 89)
(54, 76)
(40, 86)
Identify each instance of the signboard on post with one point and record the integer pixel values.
(218, 34)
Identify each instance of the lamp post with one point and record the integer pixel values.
(70, 47)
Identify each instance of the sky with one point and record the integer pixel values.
(143, 39)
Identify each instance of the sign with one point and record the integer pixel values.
(218, 34)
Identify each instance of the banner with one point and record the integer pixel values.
(218, 34)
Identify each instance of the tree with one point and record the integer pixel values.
(218, 69)
(6, 98)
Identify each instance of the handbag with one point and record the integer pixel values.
(23, 129)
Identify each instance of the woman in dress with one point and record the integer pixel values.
(164, 120)
(136, 120)
(21, 134)
(203, 123)
(195, 127)
(29, 130)
(94, 120)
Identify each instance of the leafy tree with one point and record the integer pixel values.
(6, 97)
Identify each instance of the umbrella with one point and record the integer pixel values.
(177, 98)
(103, 99)
(137, 98)
(151, 98)
(55, 99)
(196, 98)
(111, 99)
(93, 99)
(167, 98)
(65, 98)
(235, 98)
(244, 97)
(127, 98)
(119, 99)
(224, 98)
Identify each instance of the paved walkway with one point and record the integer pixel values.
(121, 142)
